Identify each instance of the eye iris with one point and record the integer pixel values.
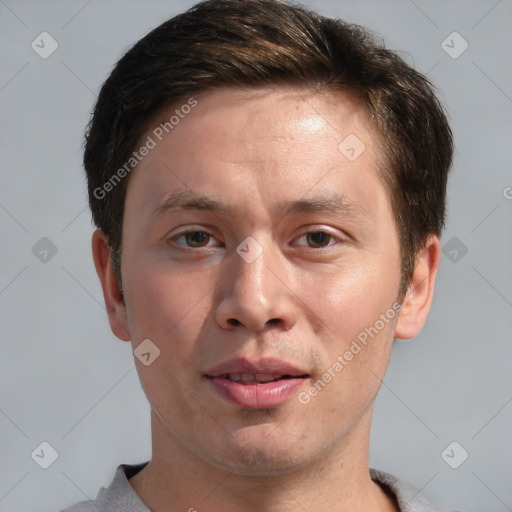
(196, 238)
(319, 238)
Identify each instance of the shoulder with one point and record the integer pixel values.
(119, 496)
(408, 497)
(83, 506)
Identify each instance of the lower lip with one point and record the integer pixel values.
(257, 395)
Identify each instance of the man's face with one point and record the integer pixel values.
(245, 328)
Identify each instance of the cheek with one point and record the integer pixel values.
(356, 307)
(162, 302)
(353, 296)
(168, 308)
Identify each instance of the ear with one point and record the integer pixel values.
(418, 299)
(114, 300)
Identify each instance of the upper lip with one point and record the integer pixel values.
(261, 366)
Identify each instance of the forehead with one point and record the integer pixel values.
(279, 142)
(271, 115)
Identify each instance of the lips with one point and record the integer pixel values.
(250, 378)
(263, 367)
(261, 384)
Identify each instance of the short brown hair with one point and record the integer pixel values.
(252, 43)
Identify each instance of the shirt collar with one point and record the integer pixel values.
(120, 495)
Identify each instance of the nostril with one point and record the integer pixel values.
(233, 322)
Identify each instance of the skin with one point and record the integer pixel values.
(303, 300)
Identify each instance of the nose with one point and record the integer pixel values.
(256, 295)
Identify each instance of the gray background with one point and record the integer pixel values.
(65, 379)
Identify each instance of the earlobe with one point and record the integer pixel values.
(112, 294)
(418, 299)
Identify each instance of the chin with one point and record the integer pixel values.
(262, 459)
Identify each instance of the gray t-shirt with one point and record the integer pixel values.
(119, 496)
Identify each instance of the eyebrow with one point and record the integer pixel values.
(334, 203)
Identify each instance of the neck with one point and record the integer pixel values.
(177, 479)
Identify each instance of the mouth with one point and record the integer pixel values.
(258, 378)
(257, 385)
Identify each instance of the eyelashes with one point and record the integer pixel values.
(196, 239)
(190, 236)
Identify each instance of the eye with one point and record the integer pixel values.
(193, 239)
(318, 239)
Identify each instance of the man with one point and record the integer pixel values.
(269, 190)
